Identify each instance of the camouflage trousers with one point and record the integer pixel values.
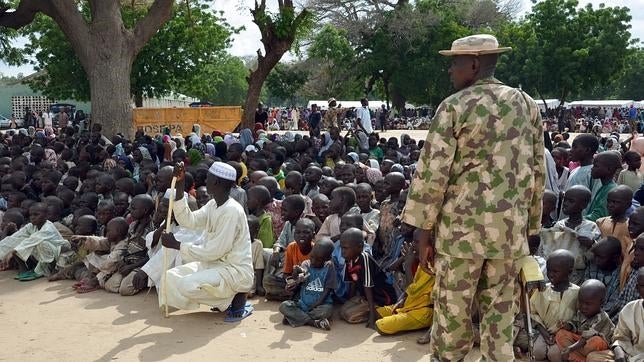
(461, 286)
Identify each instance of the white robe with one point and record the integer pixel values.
(44, 245)
(217, 269)
(154, 267)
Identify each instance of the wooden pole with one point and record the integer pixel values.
(168, 229)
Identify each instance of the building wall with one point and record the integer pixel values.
(8, 91)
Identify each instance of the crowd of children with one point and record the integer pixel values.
(323, 216)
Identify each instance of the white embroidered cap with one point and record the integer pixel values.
(223, 170)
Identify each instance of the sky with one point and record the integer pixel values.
(248, 41)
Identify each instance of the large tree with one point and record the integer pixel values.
(561, 50)
(105, 47)
(279, 31)
(186, 56)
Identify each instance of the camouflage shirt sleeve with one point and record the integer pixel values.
(429, 183)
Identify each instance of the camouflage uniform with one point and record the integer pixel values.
(331, 117)
(478, 185)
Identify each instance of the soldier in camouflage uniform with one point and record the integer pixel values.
(478, 187)
(330, 119)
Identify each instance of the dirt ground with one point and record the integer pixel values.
(49, 321)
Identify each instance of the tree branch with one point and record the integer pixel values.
(158, 14)
(71, 22)
(24, 13)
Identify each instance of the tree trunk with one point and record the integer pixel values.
(252, 100)
(109, 83)
(256, 80)
(138, 98)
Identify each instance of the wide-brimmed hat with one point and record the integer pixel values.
(478, 44)
(331, 100)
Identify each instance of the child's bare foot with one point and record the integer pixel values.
(87, 285)
(55, 277)
(323, 324)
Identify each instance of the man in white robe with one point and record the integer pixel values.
(152, 272)
(218, 272)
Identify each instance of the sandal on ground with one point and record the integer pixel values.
(31, 275)
(21, 275)
(323, 324)
(233, 316)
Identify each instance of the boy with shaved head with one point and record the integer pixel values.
(605, 165)
(589, 330)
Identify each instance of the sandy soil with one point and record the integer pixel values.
(49, 321)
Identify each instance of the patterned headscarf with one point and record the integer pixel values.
(373, 175)
(145, 153)
(246, 137)
(210, 148)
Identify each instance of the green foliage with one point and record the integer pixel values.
(562, 51)
(187, 55)
(230, 87)
(284, 82)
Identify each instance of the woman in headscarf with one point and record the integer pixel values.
(373, 175)
(326, 143)
(229, 139)
(221, 149)
(31, 131)
(180, 142)
(109, 164)
(49, 132)
(210, 149)
(246, 137)
(51, 156)
(194, 156)
(138, 155)
(126, 163)
(196, 129)
(194, 139)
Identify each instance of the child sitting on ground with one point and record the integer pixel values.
(630, 291)
(390, 209)
(316, 279)
(414, 309)
(631, 176)
(364, 198)
(342, 202)
(558, 302)
(605, 268)
(296, 252)
(34, 246)
(320, 210)
(605, 165)
(258, 198)
(100, 264)
(122, 282)
(549, 207)
(584, 231)
(628, 337)
(589, 330)
(616, 225)
(257, 249)
(12, 221)
(312, 175)
(370, 285)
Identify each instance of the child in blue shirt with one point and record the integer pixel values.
(352, 220)
(315, 279)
